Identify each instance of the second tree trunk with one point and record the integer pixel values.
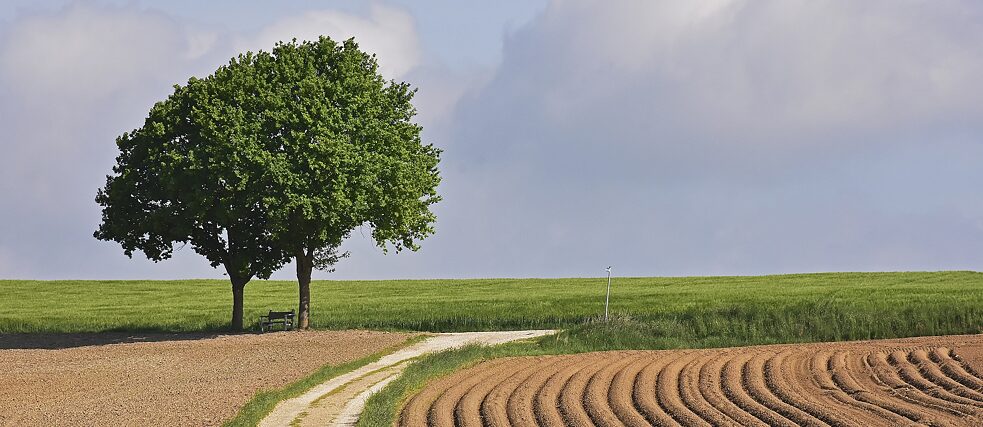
(305, 264)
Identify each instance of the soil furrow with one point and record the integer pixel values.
(955, 370)
(667, 388)
(573, 394)
(546, 404)
(521, 403)
(689, 389)
(467, 411)
(494, 406)
(933, 373)
(863, 412)
(645, 396)
(597, 395)
(762, 376)
(894, 385)
(914, 381)
(732, 384)
(852, 376)
(620, 395)
(710, 386)
(442, 410)
(891, 384)
(417, 409)
(910, 375)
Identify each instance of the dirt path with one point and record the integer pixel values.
(934, 381)
(340, 400)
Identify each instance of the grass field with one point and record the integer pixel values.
(648, 313)
(652, 312)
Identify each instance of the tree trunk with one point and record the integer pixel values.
(305, 264)
(238, 290)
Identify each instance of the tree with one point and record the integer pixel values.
(347, 154)
(197, 173)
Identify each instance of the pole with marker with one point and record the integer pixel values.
(607, 299)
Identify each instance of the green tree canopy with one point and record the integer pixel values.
(196, 173)
(276, 155)
(346, 153)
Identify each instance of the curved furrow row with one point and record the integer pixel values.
(733, 385)
(896, 386)
(851, 374)
(689, 391)
(768, 389)
(441, 413)
(863, 412)
(711, 387)
(621, 393)
(597, 397)
(546, 404)
(573, 393)
(520, 405)
(667, 389)
(467, 412)
(934, 373)
(493, 408)
(915, 376)
(955, 369)
(851, 384)
(646, 396)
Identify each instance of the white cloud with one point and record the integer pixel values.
(388, 32)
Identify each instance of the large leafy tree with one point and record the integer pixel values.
(197, 173)
(278, 154)
(347, 154)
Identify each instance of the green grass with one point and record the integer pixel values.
(648, 313)
(264, 401)
(784, 308)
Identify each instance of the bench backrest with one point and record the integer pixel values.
(280, 314)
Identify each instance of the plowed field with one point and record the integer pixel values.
(926, 381)
(168, 381)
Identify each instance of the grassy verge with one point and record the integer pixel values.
(264, 401)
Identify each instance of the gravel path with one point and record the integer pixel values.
(340, 401)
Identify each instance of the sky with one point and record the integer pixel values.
(664, 138)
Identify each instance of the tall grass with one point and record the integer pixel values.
(783, 308)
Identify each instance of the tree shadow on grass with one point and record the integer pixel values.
(53, 341)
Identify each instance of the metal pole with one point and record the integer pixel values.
(607, 298)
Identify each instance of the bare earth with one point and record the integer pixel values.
(916, 381)
(340, 400)
(198, 381)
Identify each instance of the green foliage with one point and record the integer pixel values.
(804, 307)
(275, 155)
(195, 174)
(343, 150)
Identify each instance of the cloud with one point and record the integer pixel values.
(714, 137)
(388, 32)
(719, 137)
(72, 80)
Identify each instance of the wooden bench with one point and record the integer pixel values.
(283, 318)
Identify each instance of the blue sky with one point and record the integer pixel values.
(665, 138)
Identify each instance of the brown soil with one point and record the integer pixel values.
(916, 381)
(194, 381)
